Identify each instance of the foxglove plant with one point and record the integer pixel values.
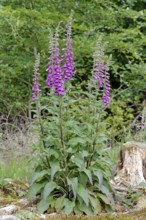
(36, 85)
(71, 173)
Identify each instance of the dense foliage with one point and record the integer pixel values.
(72, 165)
(25, 31)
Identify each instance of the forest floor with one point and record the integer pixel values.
(15, 206)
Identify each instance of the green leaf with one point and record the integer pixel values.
(83, 179)
(73, 182)
(59, 203)
(78, 160)
(83, 193)
(99, 204)
(94, 204)
(88, 173)
(68, 206)
(85, 153)
(75, 141)
(86, 209)
(35, 189)
(99, 175)
(77, 211)
(38, 175)
(104, 198)
(43, 206)
(105, 190)
(49, 187)
(52, 152)
(70, 123)
(54, 168)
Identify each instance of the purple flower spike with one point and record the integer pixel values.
(55, 73)
(106, 97)
(99, 68)
(68, 66)
(36, 86)
(106, 93)
(100, 72)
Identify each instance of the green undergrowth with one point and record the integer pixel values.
(137, 215)
(14, 169)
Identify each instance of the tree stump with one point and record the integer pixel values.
(132, 164)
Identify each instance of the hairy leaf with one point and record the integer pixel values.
(49, 187)
(83, 193)
(59, 203)
(88, 173)
(99, 175)
(94, 204)
(73, 182)
(35, 189)
(38, 175)
(54, 168)
(68, 206)
(86, 209)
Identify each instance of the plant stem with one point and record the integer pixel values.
(61, 132)
(40, 120)
(89, 98)
(60, 122)
(41, 128)
(94, 138)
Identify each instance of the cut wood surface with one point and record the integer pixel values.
(132, 169)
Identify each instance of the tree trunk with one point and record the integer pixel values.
(132, 165)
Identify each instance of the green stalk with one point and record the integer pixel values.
(63, 148)
(95, 136)
(97, 127)
(89, 98)
(41, 128)
(40, 120)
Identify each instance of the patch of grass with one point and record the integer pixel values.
(137, 215)
(114, 154)
(14, 169)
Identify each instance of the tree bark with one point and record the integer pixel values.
(132, 164)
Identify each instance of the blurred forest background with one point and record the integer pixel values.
(24, 29)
